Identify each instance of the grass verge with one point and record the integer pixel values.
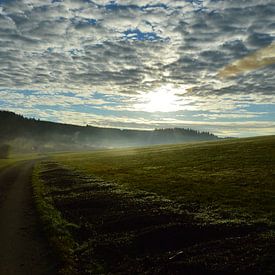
(55, 227)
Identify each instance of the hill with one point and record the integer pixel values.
(200, 208)
(27, 134)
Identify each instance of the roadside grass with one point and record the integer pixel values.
(220, 182)
(55, 227)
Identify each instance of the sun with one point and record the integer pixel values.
(159, 100)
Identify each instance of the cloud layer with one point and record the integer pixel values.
(217, 55)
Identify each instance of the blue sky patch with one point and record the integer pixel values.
(136, 34)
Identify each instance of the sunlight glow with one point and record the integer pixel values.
(163, 99)
(160, 101)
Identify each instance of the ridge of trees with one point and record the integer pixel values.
(39, 134)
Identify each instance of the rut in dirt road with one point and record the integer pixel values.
(22, 248)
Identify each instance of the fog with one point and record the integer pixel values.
(30, 135)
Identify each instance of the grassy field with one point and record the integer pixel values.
(6, 162)
(221, 181)
(14, 158)
(204, 208)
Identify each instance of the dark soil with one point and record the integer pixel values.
(122, 232)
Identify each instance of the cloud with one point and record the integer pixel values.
(82, 45)
(261, 58)
(130, 48)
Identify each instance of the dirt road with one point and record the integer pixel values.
(23, 250)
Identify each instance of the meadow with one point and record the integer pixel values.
(15, 158)
(198, 208)
(221, 181)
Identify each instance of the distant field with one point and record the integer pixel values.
(230, 180)
(203, 208)
(5, 162)
(13, 158)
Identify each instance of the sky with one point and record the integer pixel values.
(202, 64)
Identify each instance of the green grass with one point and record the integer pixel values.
(226, 185)
(230, 180)
(54, 226)
(14, 158)
(6, 162)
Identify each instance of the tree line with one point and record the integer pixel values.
(37, 135)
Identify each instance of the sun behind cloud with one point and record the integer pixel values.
(163, 99)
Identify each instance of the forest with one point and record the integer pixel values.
(28, 134)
